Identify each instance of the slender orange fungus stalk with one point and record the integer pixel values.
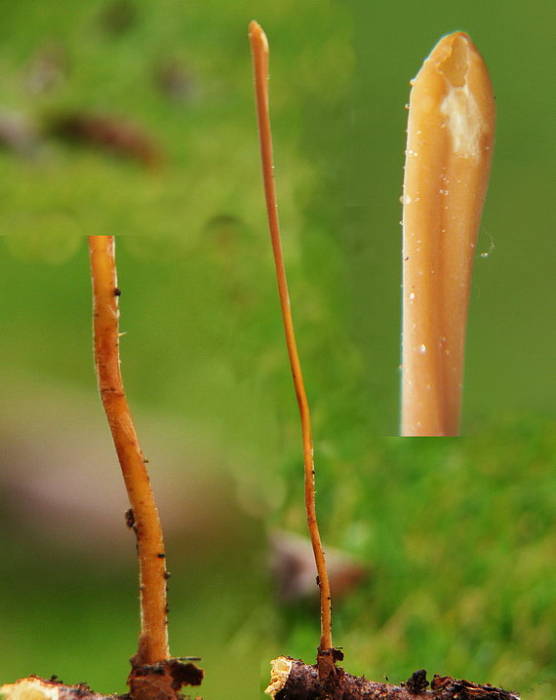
(153, 642)
(259, 48)
(449, 147)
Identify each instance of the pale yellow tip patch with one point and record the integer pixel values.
(256, 33)
(464, 121)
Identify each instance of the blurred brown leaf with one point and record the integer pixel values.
(109, 133)
(293, 568)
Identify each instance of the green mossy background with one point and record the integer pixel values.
(459, 535)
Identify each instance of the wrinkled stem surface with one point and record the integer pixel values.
(259, 48)
(153, 644)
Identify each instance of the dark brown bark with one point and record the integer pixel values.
(302, 683)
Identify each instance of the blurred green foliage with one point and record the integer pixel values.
(458, 533)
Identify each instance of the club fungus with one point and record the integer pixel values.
(292, 679)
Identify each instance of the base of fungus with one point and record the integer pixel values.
(163, 680)
(292, 679)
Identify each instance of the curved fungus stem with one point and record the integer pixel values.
(153, 641)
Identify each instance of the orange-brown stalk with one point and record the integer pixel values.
(449, 147)
(153, 642)
(259, 49)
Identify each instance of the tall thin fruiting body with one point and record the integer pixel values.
(153, 642)
(449, 147)
(259, 48)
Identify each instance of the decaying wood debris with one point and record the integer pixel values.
(162, 681)
(292, 679)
